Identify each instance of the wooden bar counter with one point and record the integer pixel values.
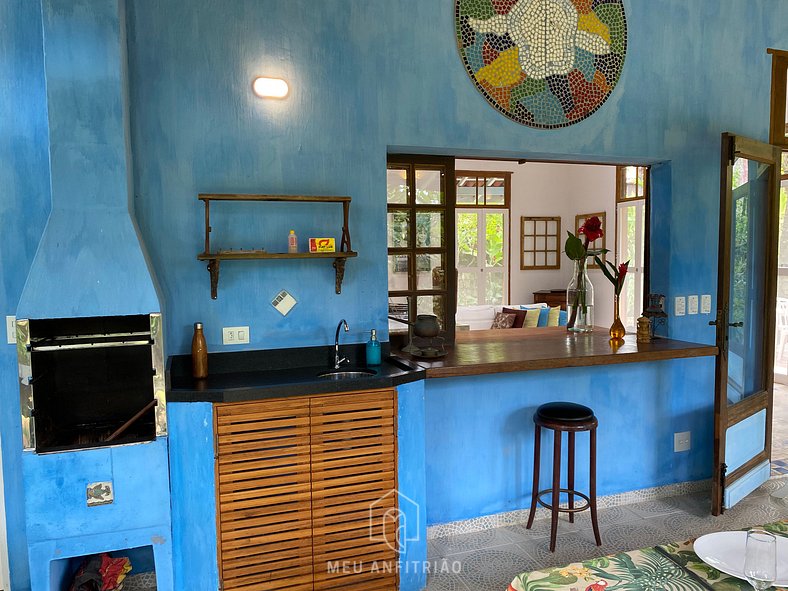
(495, 351)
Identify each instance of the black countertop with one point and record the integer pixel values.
(253, 375)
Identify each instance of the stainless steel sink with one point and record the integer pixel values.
(346, 374)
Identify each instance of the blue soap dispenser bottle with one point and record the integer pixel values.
(373, 349)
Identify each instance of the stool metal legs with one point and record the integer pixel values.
(537, 446)
(592, 488)
(556, 489)
(570, 476)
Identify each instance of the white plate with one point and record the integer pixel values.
(725, 552)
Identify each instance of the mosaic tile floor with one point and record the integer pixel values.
(780, 430)
(489, 560)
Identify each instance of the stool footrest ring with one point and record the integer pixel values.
(587, 504)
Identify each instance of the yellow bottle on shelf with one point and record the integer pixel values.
(292, 242)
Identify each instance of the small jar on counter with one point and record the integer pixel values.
(644, 330)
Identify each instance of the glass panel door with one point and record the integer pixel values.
(746, 295)
(482, 256)
(420, 240)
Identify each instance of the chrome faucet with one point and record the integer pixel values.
(338, 361)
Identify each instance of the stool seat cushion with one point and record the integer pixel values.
(564, 411)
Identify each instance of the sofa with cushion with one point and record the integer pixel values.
(526, 316)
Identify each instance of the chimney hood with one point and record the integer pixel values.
(90, 260)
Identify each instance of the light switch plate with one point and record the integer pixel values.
(679, 306)
(100, 493)
(705, 304)
(283, 302)
(10, 330)
(235, 335)
(692, 304)
(682, 441)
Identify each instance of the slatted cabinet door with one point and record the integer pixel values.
(264, 489)
(354, 501)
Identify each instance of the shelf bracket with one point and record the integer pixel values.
(339, 265)
(213, 269)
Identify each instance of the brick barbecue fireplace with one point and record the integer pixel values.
(94, 425)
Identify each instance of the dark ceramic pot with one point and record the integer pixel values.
(426, 326)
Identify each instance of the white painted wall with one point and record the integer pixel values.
(565, 190)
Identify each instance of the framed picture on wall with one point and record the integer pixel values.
(540, 245)
(599, 242)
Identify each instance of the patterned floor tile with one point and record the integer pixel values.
(489, 538)
(492, 569)
(569, 547)
(440, 580)
(659, 506)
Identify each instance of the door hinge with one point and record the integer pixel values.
(221, 585)
(216, 449)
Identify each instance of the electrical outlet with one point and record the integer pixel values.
(682, 441)
(235, 335)
(692, 304)
(10, 330)
(705, 304)
(679, 305)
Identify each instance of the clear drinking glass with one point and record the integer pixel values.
(760, 559)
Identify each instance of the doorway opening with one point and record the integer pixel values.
(509, 221)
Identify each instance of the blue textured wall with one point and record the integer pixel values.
(24, 207)
(412, 485)
(193, 485)
(366, 77)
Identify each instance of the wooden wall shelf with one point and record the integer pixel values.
(214, 258)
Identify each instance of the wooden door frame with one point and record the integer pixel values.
(411, 162)
(724, 416)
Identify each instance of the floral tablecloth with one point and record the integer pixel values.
(673, 567)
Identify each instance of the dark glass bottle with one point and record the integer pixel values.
(199, 353)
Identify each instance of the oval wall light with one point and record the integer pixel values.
(270, 87)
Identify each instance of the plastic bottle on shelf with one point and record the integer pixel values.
(373, 349)
(199, 353)
(292, 242)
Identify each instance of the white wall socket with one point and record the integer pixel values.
(705, 304)
(10, 330)
(692, 304)
(235, 335)
(682, 441)
(679, 305)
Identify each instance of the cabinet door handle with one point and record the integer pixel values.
(736, 324)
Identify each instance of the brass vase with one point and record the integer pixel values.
(617, 330)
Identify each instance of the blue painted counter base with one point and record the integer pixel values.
(480, 432)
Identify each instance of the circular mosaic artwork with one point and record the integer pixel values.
(543, 63)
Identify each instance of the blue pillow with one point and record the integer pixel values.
(562, 318)
(544, 313)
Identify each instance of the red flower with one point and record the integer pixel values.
(592, 228)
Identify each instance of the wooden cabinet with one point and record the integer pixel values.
(306, 493)
(551, 297)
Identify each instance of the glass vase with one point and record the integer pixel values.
(617, 330)
(580, 300)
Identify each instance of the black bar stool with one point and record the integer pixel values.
(560, 417)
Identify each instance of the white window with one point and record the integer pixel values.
(631, 199)
(482, 256)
